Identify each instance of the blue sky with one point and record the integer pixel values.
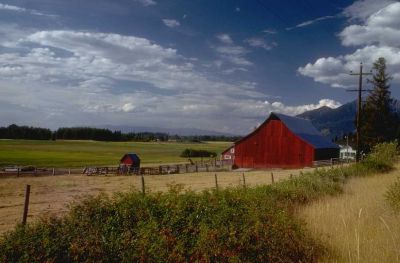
(215, 65)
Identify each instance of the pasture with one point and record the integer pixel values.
(72, 154)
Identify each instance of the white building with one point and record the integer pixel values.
(347, 153)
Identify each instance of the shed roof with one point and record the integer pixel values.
(302, 128)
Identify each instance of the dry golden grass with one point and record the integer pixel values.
(357, 226)
(51, 194)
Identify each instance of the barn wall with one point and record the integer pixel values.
(127, 160)
(273, 145)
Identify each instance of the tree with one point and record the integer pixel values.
(379, 122)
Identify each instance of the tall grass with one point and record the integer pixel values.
(251, 225)
(393, 195)
(357, 226)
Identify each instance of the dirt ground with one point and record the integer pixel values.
(51, 194)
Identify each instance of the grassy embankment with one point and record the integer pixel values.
(92, 153)
(252, 225)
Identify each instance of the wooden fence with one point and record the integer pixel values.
(212, 165)
(207, 166)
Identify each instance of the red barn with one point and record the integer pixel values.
(283, 141)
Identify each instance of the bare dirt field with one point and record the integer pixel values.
(51, 194)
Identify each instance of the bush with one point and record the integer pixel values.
(251, 225)
(189, 153)
(381, 157)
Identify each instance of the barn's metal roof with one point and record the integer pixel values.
(302, 128)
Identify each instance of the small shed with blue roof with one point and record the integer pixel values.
(131, 160)
(283, 141)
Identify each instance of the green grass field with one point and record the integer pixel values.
(91, 153)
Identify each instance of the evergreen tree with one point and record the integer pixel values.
(379, 122)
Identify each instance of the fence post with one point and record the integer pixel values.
(197, 168)
(26, 204)
(272, 178)
(18, 171)
(291, 176)
(69, 171)
(244, 180)
(216, 181)
(54, 172)
(35, 172)
(331, 162)
(143, 186)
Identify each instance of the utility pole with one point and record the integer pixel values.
(359, 90)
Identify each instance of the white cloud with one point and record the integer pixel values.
(146, 2)
(234, 54)
(95, 78)
(225, 38)
(378, 36)
(310, 22)
(362, 9)
(295, 110)
(260, 43)
(21, 10)
(65, 78)
(171, 23)
(231, 53)
(382, 27)
(269, 31)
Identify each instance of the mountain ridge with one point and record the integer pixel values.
(338, 121)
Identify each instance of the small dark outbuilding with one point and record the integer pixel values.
(130, 159)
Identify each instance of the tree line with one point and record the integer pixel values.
(97, 134)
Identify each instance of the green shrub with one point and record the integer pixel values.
(251, 225)
(381, 157)
(189, 153)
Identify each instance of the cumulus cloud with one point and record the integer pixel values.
(295, 110)
(74, 77)
(378, 36)
(382, 27)
(66, 77)
(362, 9)
(171, 23)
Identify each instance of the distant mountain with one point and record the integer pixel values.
(171, 131)
(339, 121)
(333, 122)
